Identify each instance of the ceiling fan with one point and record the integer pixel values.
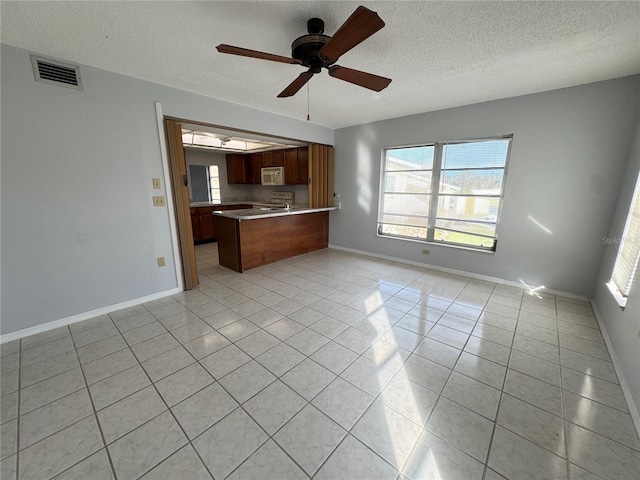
(317, 51)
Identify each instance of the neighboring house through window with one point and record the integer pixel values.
(214, 183)
(626, 265)
(444, 192)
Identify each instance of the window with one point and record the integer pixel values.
(445, 192)
(214, 183)
(626, 264)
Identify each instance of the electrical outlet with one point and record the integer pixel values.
(161, 262)
(156, 183)
(425, 251)
(158, 201)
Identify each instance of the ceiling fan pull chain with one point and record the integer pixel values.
(308, 117)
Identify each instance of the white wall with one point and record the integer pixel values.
(568, 156)
(79, 231)
(623, 326)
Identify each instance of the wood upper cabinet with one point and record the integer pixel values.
(278, 158)
(237, 169)
(303, 166)
(273, 159)
(256, 165)
(245, 169)
(291, 166)
(296, 166)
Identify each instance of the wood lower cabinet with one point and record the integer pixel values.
(203, 222)
(245, 244)
(195, 225)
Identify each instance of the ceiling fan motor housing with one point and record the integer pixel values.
(306, 47)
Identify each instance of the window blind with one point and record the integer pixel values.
(627, 261)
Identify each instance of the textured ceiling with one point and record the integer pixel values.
(439, 54)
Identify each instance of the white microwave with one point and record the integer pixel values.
(272, 176)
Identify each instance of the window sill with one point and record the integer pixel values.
(439, 244)
(617, 296)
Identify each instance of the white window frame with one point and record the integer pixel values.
(211, 187)
(629, 248)
(435, 194)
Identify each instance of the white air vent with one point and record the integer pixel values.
(56, 72)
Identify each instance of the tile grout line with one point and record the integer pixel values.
(95, 415)
(502, 393)
(562, 398)
(18, 412)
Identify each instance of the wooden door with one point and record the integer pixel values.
(320, 176)
(291, 166)
(178, 167)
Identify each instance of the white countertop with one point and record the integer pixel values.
(254, 213)
(211, 204)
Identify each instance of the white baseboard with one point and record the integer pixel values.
(8, 337)
(634, 411)
(478, 276)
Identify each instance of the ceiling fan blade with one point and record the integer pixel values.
(245, 52)
(296, 85)
(359, 26)
(363, 79)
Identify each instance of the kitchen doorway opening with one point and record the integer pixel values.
(215, 138)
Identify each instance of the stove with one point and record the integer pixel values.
(277, 198)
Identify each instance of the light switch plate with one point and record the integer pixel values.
(161, 262)
(156, 183)
(158, 201)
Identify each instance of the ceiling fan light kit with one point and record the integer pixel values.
(317, 51)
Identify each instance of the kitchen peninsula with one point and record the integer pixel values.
(253, 237)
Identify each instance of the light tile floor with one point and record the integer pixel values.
(328, 365)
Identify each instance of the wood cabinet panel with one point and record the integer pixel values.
(237, 171)
(278, 158)
(203, 224)
(256, 165)
(291, 166)
(267, 159)
(207, 226)
(228, 243)
(241, 244)
(303, 166)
